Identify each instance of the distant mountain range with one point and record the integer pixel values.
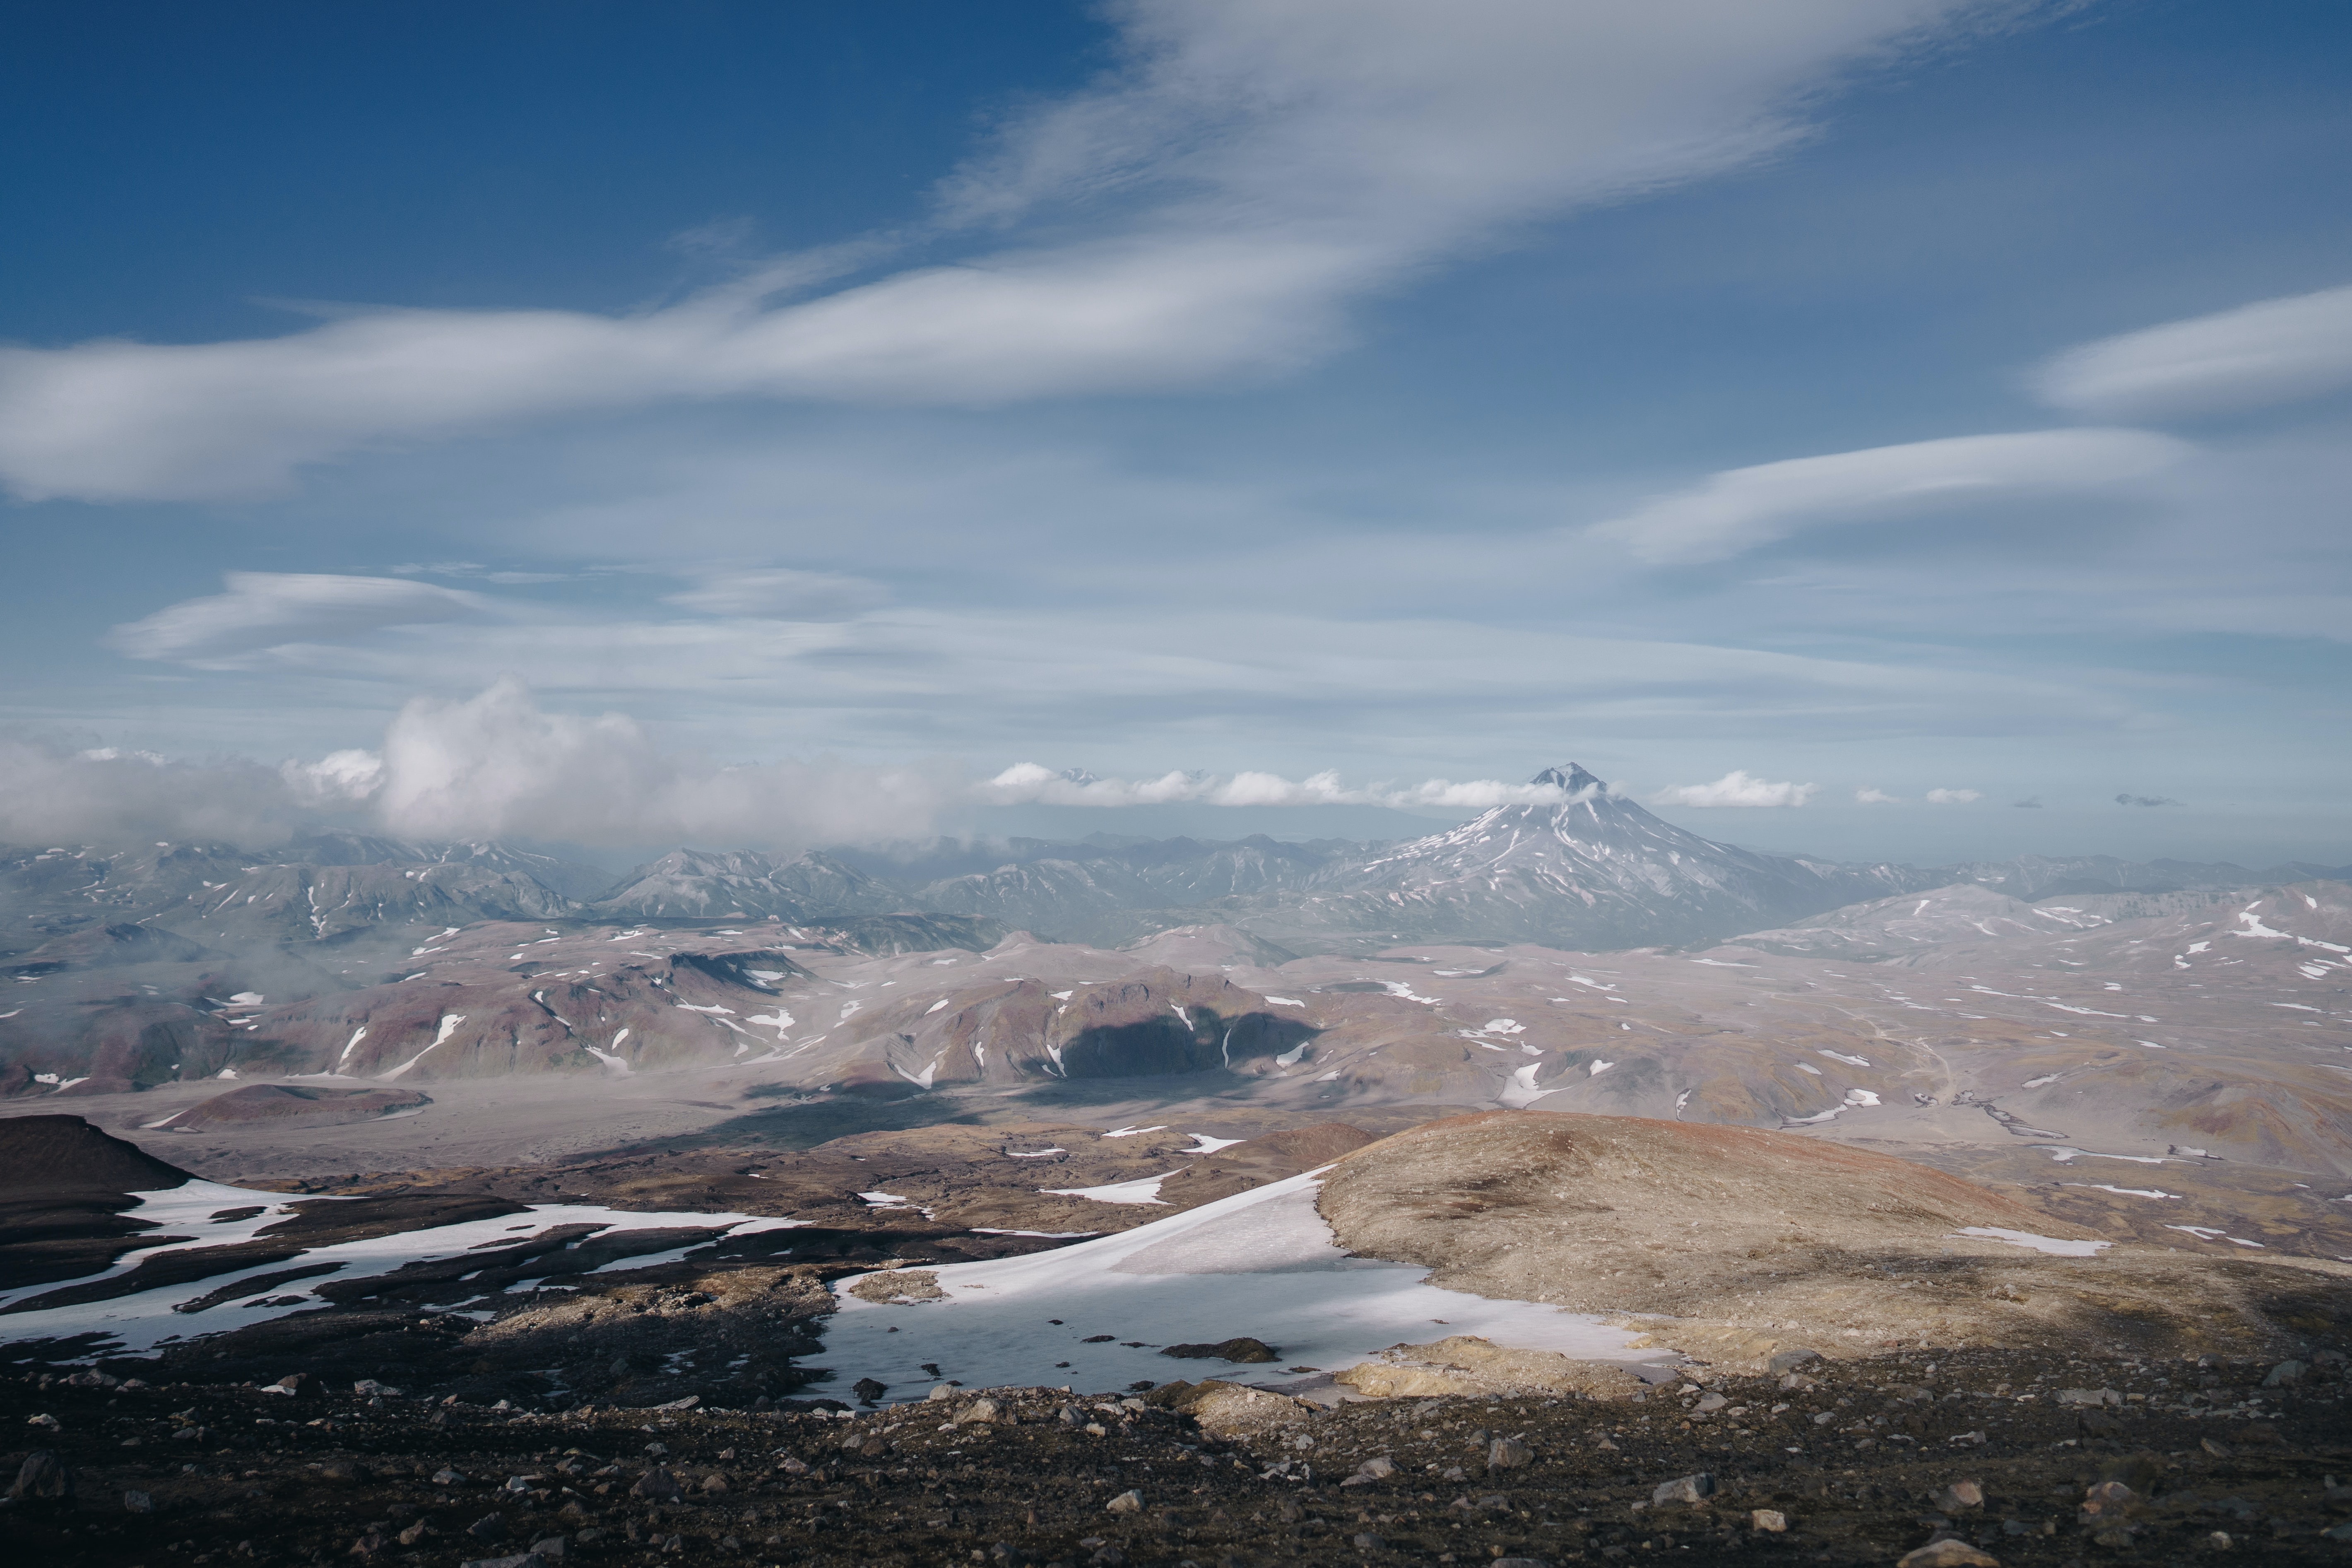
(1597, 871)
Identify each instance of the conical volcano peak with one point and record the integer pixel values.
(1570, 778)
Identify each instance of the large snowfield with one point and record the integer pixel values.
(1262, 1264)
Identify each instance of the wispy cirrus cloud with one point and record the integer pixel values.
(272, 609)
(1213, 208)
(2270, 352)
(1742, 509)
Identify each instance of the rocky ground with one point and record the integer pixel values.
(2031, 1459)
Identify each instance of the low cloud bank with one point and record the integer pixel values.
(497, 764)
(492, 765)
(1737, 788)
(56, 796)
(1028, 783)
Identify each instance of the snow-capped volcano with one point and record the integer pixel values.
(1594, 870)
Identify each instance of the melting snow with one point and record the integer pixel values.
(1142, 1190)
(1204, 1144)
(2207, 1233)
(2045, 1244)
(140, 1321)
(1261, 1262)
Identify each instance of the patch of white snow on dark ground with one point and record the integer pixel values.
(1142, 1190)
(142, 1322)
(2050, 1245)
(1261, 1263)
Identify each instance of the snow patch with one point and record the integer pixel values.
(2047, 1244)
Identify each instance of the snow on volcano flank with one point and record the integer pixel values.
(1594, 870)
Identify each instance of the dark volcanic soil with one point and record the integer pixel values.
(1857, 1464)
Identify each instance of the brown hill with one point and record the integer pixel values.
(1731, 1242)
(41, 1155)
(282, 1105)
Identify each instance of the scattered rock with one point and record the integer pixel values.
(1371, 1542)
(1791, 1359)
(1378, 1468)
(1769, 1519)
(1960, 1495)
(656, 1485)
(367, 1545)
(1684, 1489)
(1509, 1454)
(138, 1502)
(43, 1477)
(2089, 1396)
(982, 1410)
(1126, 1502)
(899, 1285)
(347, 1470)
(489, 1527)
(2285, 1374)
(549, 1549)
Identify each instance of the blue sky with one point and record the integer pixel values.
(770, 424)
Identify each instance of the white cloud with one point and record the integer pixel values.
(1953, 796)
(1872, 795)
(777, 593)
(1737, 788)
(1029, 783)
(273, 609)
(1216, 205)
(53, 794)
(2275, 350)
(498, 763)
(1740, 508)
